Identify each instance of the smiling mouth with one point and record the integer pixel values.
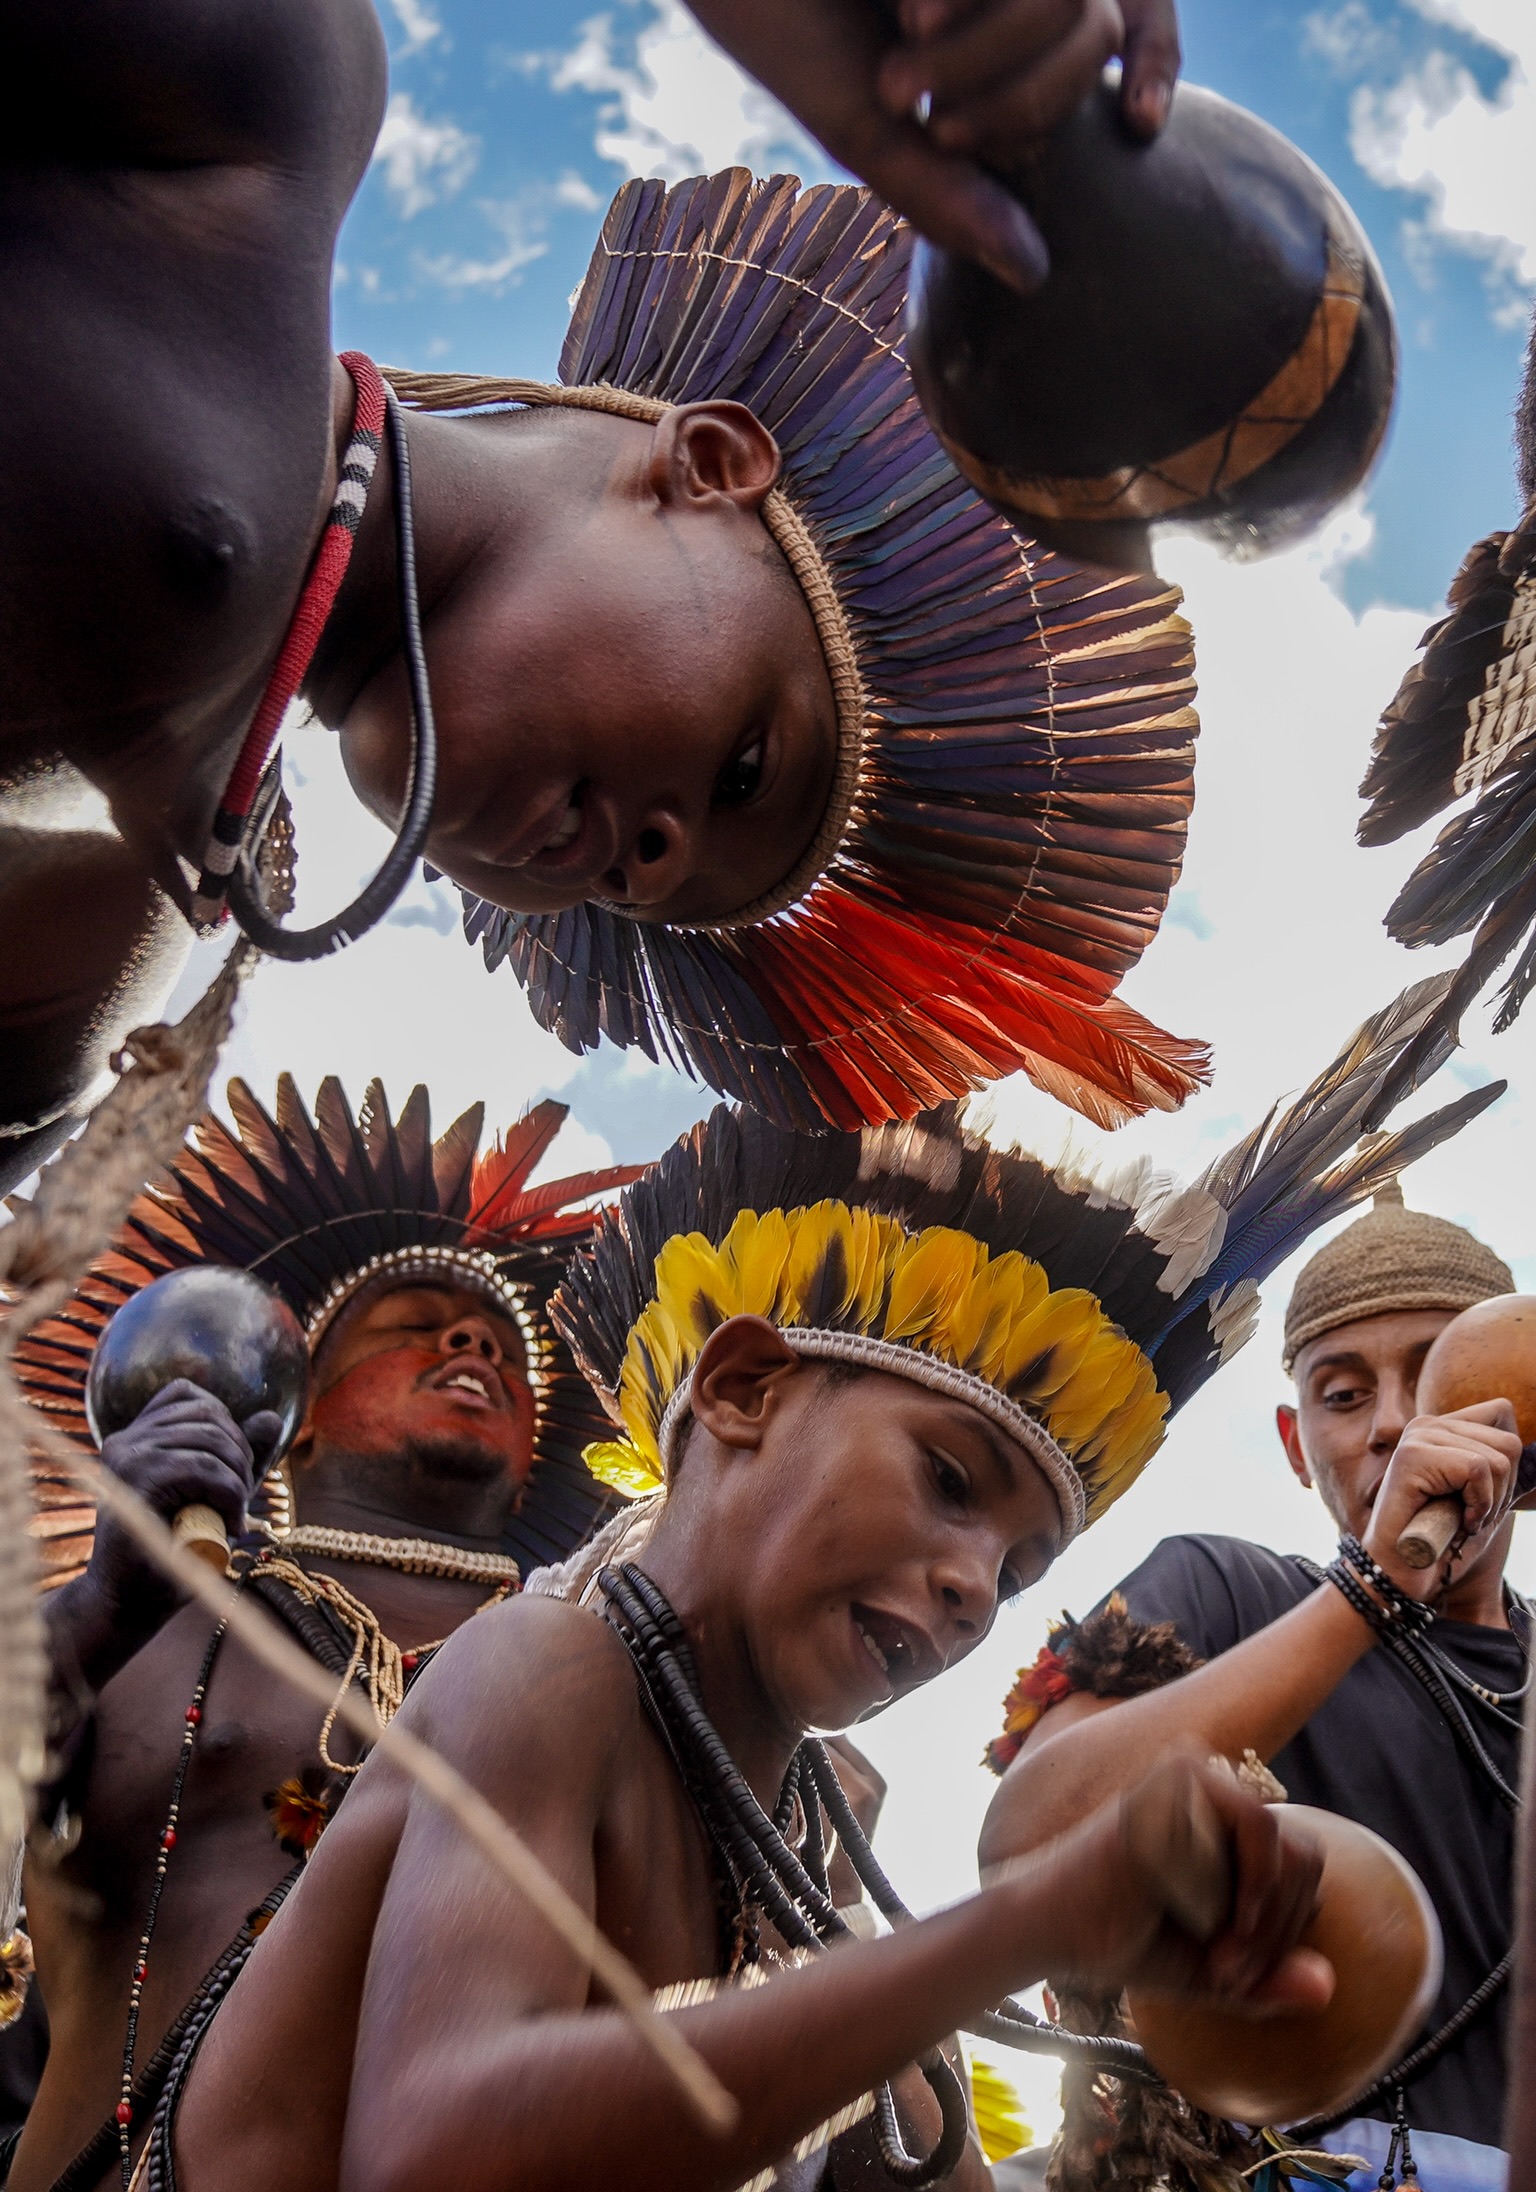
(890, 1646)
(562, 834)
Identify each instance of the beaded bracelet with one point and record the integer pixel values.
(1393, 1610)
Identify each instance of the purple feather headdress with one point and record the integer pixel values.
(1017, 729)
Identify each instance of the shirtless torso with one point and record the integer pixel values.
(169, 413)
(539, 1706)
(87, 1911)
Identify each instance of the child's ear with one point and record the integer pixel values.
(701, 451)
(739, 1380)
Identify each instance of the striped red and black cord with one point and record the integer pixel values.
(321, 587)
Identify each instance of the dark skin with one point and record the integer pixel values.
(175, 183)
(391, 1447)
(408, 2021)
(1352, 1436)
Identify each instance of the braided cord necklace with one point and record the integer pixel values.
(228, 882)
(1428, 1666)
(385, 1668)
(791, 1890)
(1496, 1700)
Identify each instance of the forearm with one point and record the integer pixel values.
(1255, 1697)
(518, 2108)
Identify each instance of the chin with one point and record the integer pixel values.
(453, 1457)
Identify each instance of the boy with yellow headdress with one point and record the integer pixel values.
(872, 1383)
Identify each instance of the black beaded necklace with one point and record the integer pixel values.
(790, 1889)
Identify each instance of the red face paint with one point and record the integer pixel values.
(432, 1368)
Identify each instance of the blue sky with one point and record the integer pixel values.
(509, 129)
(471, 232)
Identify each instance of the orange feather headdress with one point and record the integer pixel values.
(323, 1208)
(1015, 767)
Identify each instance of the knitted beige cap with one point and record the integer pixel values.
(1392, 1258)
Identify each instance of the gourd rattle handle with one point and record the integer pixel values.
(199, 1529)
(1427, 1537)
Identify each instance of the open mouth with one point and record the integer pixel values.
(564, 831)
(577, 837)
(472, 1384)
(902, 1656)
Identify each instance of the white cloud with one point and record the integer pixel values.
(423, 161)
(418, 22)
(521, 223)
(1432, 132)
(683, 107)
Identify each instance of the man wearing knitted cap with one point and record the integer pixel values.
(1418, 1739)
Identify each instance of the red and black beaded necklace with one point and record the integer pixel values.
(192, 1721)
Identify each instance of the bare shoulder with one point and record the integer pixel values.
(190, 79)
(532, 1683)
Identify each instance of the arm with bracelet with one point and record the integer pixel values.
(1386, 1692)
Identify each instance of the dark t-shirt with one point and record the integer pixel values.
(1380, 1751)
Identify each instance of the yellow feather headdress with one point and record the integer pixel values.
(1075, 1313)
(1048, 1366)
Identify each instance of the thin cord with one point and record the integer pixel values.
(371, 904)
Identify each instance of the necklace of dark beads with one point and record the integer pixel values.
(791, 1890)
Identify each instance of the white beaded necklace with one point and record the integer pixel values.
(412, 1555)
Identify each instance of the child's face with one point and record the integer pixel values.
(641, 714)
(892, 1521)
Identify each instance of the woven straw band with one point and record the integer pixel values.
(1391, 1260)
(940, 1377)
(474, 1269)
(465, 392)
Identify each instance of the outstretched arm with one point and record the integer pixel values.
(993, 76)
(1263, 1692)
(478, 2064)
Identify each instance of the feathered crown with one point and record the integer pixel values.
(1017, 734)
(323, 1208)
(1464, 721)
(1078, 1313)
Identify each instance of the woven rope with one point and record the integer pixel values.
(791, 535)
(869, 1353)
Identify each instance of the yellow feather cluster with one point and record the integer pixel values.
(938, 1291)
(1001, 2123)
